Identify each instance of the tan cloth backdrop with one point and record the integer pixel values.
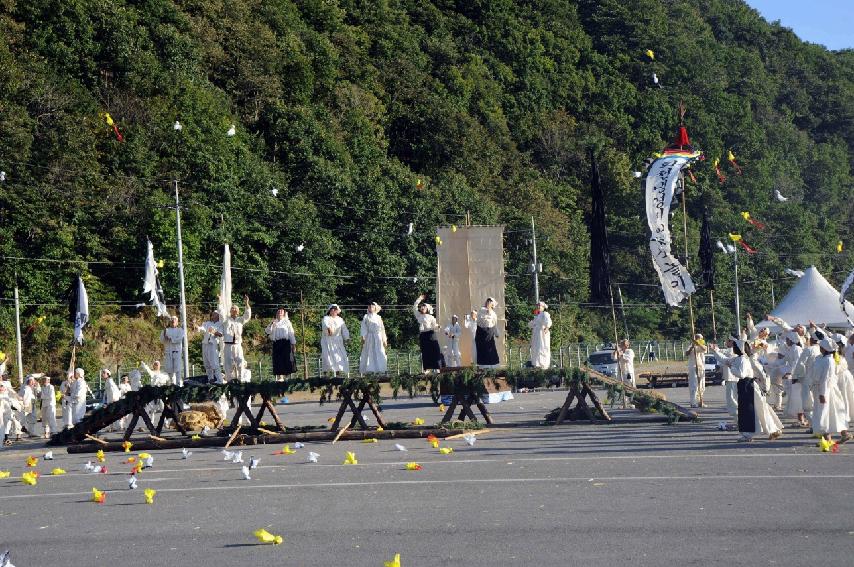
(470, 269)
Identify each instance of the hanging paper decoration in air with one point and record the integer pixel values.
(731, 159)
(79, 309)
(111, 123)
(151, 284)
(746, 216)
(839, 247)
(718, 172)
(846, 285)
(661, 185)
(224, 305)
(740, 241)
(650, 54)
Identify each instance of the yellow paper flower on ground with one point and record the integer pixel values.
(418, 421)
(126, 446)
(149, 495)
(100, 456)
(446, 450)
(57, 471)
(350, 459)
(825, 445)
(413, 467)
(98, 496)
(434, 443)
(394, 562)
(371, 440)
(143, 456)
(5, 474)
(442, 408)
(380, 429)
(266, 537)
(30, 478)
(32, 461)
(196, 437)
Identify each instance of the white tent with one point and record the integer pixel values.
(811, 299)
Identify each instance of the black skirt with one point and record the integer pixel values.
(431, 356)
(283, 358)
(746, 409)
(484, 341)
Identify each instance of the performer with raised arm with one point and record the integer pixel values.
(333, 334)
(486, 334)
(453, 332)
(79, 389)
(48, 401)
(172, 338)
(374, 342)
(541, 347)
(625, 357)
(431, 355)
(281, 332)
(211, 331)
(232, 338)
(111, 391)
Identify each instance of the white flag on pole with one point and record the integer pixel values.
(151, 284)
(225, 284)
(80, 310)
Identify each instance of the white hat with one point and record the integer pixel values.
(827, 344)
(542, 304)
(79, 372)
(332, 306)
(793, 336)
(429, 308)
(107, 370)
(698, 337)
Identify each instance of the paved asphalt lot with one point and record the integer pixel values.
(633, 492)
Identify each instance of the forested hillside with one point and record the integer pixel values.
(356, 118)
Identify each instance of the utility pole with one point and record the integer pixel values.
(18, 333)
(535, 266)
(181, 280)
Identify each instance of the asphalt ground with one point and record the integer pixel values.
(632, 491)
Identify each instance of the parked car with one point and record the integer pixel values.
(603, 361)
(714, 374)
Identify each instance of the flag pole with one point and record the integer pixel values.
(181, 280)
(18, 333)
(714, 325)
(685, 233)
(302, 324)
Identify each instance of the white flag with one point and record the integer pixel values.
(80, 309)
(151, 284)
(225, 284)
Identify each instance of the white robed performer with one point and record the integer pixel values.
(156, 377)
(48, 401)
(281, 332)
(470, 324)
(754, 413)
(846, 378)
(831, 415)
(172, 338)
(453, 332)
(625, 357)
(112, 393)
(29, 394)
(6, 414)
(135, 379)
(211, 331)
(79, 389)
(486, 335)
(696, 355)
(541, 344)
(67, 411)
(333, 334)
(431, 354)
(729, 379)
(234, 360)
(803, 376)
(124, 388)
(794, 403)
(374, 342)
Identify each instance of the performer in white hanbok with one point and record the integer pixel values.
(802, 375)
(831, 415)
(67, 411)
(754, 413)
(696, 355)
(172, 338)
(486, 334)
(470, 324)
(156, 377)
(374, 342)
(48, 401)
(112, 393)
(431, 354)
(541, 343)
(6, 411)
(211, 331)
(29, 394)
(794, 402)
(333, 334)
(846, 378)
(453, 332)
(730, 380)
(232, 339)
(124, 388)
(281, 332)
(79, 389)
(625, 357)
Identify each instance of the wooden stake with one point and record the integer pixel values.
(156, 438)
(95, 439)
(267, 431)
(461, 435)
(340, 433)
(233, 436)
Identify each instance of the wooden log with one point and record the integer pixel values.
(233, 435)
(340, 433)
(596, 403)
(473, 432)
(266, 431)
(573, 393)
(311, 436)
(156, 438)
